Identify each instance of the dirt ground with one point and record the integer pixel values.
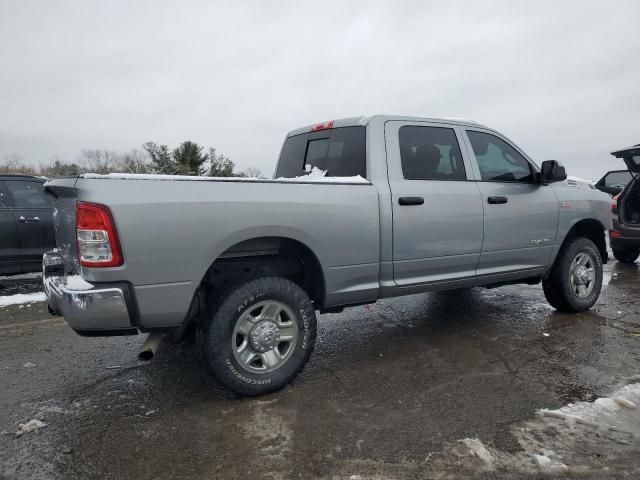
(441, 385)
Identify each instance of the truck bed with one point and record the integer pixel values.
(172, 229)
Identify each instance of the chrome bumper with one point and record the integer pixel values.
(97, 311)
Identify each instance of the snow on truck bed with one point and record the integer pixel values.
(315, 176)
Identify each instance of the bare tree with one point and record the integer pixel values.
(13, 163)
(99, 161)
(136, 161)
(58, 168)
(108, 161)
(252, 172)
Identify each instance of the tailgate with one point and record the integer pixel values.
(64, 219)
(631, 156)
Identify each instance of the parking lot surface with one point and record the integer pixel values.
(439, 385)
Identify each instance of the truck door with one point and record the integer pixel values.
(437, 209)
(32, 213)
(9, 251)
(520, 215)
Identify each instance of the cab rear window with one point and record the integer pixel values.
(341, 152)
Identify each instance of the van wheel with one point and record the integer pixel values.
(575, 280)
(260, 336)
(625, 255)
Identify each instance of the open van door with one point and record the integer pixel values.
(625, 235)
(614, 181)
(631, 156)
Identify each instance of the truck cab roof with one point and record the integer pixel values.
(364, 120)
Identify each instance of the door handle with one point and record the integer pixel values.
(411, 200)
(497, 200)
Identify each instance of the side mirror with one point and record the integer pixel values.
(551, 171)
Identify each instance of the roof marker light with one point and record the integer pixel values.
(322, 126)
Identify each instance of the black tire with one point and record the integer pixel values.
(218, 338)
(625, 255)
(557, 287)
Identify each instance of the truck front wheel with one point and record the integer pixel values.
(260, 335)
(575, 280)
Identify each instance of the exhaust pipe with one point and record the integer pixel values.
(150, 346)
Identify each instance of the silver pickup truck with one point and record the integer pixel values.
(359, 209)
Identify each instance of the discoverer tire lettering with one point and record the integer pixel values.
(228, 310)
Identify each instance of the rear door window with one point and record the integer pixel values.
(430, 153)
(28, 194)
(340, 152)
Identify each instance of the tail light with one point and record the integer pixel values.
(614, 204)
(98, 244)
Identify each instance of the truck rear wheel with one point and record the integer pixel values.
(260, 336)
(575, 280)
(625, 255)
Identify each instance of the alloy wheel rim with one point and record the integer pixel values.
(265, 336)
(582, 275)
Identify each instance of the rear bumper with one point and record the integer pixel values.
(98, 311)
(625, 242)
(628, 236)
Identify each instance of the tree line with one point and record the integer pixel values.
(188, 158)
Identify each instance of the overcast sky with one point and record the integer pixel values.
(561, 79)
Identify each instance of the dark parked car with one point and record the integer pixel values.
(26, 226)
(614, 181)
(625, 236)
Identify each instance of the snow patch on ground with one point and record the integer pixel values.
(547, 465)
(30, 426)
(579, 438)
(599, 439)
(76, 282)
(311, 178)
(22, 298)
(604, 412)
(480, 451)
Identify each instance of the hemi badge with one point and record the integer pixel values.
(565, 205)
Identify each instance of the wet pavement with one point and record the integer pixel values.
(438, 385)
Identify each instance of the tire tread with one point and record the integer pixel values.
(556, 286)
(223, 310)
